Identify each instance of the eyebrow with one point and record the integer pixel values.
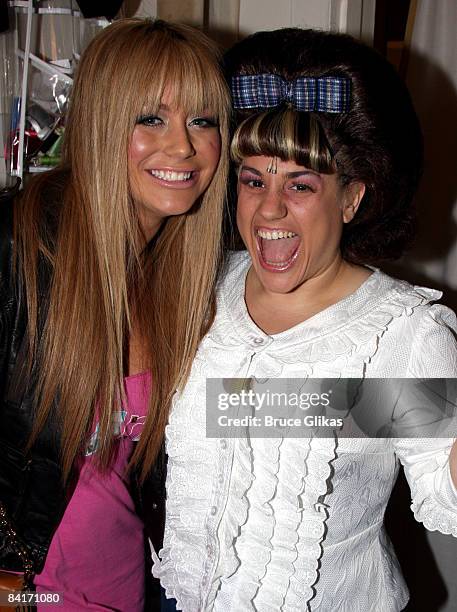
(288, 174)
(250, 169)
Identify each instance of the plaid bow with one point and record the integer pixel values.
(310, 94)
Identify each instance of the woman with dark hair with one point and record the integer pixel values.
(106, 288)
(328, 153)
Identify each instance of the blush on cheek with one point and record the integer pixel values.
(134, 156)
(139, 144)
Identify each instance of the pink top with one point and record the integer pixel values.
(96, 557)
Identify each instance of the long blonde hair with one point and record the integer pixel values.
(102, 279)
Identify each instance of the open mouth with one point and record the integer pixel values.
(277, 249)
(173, 176)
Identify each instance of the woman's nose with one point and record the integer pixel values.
(178, 142)
(272, 205)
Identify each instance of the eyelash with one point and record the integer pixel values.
(208, 122)
(155, 121)
(306, 188)
(250, 182)
(148, 120)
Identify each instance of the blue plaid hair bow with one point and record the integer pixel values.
(310, 94)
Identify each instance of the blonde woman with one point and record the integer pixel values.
(106, 290)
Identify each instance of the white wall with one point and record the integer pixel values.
(242, 17)
(271, 14)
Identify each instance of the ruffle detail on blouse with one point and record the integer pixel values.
(288, 516)
(434, 497)
(246, 570)
(351, 327)
(283, 509)
(184, 554)
(359, 338)
(312, 526)
(236, 512)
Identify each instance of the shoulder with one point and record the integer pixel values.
(434, 351)
(234, 269)
(399, 297)
(34, 213)
(389, 288)
(37, 206)
(427, 328)
(230, 287)
(420, 303)
(6, 220)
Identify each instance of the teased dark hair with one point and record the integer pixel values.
(377, 142)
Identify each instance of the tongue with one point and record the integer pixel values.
(279, 251)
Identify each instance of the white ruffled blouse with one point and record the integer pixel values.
(297, 524)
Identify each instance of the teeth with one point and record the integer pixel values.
(275, 235)
(169, 175)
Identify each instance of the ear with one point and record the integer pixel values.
(353, 194)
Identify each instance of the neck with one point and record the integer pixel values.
(149, 231)
(276, 312)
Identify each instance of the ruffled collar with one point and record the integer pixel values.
(379, 288)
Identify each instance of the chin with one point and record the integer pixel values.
(276, 281)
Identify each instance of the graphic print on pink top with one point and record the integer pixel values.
(96, 557)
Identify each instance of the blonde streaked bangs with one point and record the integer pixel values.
(287, 134)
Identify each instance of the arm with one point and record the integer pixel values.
(6, 298)
(12, 472)
(431, 463)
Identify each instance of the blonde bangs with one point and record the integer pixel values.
(287, 134)
(194, 82)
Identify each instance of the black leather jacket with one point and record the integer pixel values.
(32, 496)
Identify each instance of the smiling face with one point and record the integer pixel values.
(291, 222)
(173, 156)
